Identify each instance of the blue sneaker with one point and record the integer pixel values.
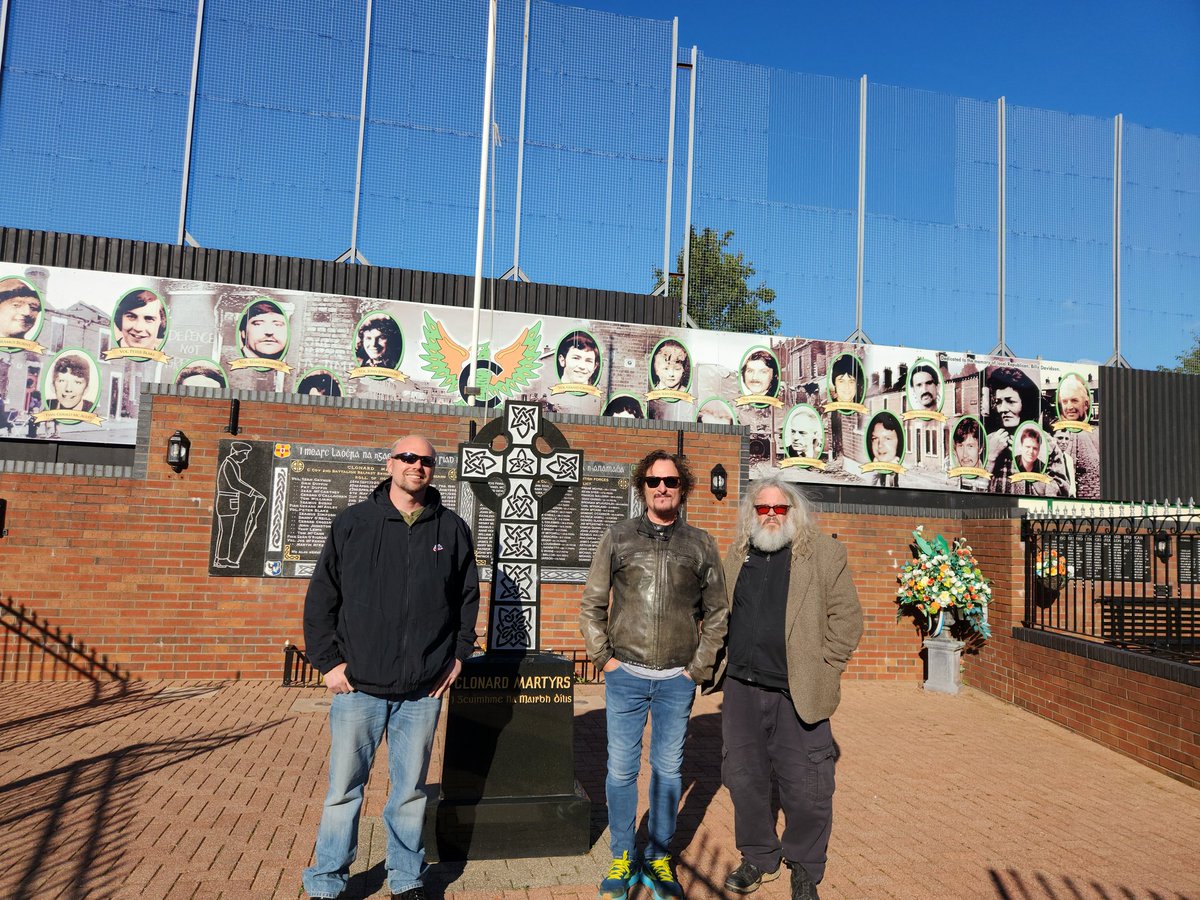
(622, 875)
(658, 877)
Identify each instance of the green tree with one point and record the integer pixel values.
(719, 294)
(1189, 360)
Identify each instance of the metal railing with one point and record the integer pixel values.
(1126, 580)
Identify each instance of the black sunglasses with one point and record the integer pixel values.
(409, 458)
(763, 508)
(671, 481)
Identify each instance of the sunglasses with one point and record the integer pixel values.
(409, 458)
(762, 509)
(671, 481)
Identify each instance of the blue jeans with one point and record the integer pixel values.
(357, 723)
(629, 700)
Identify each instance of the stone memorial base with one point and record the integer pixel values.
(943, 663)
(508, 772)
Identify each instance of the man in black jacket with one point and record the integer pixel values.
(656, 640)
(388, 620)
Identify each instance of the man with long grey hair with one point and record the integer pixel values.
(795, 622)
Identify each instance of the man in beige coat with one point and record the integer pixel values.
(795, 621)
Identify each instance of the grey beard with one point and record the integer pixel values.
(768, 540)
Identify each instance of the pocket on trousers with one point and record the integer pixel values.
(820, 781)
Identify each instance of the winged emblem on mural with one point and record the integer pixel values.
(499, 376)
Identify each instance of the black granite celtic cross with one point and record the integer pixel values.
(531, 482)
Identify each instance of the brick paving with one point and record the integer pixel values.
(207, 790)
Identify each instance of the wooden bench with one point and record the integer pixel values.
(1161, 623)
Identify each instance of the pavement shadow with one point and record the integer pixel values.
(1011, 884)
(48, 858)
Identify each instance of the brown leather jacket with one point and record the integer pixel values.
(662, 593)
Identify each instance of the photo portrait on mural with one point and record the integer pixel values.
(578, 360)
(70, 386)
(378, 341)
(1074, 402)
(760, 374)
(20, 310)
(670, 371)
(924, 388)
(803, 436)
(201, 373)
(139, 322)
(319, 383)
(847, 384)
(715, 411)
(624, 406)
(263, 330)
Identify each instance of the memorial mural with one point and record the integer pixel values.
(76, 347)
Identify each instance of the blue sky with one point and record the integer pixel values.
(1099, 57)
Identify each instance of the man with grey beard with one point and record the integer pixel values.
(795, 621)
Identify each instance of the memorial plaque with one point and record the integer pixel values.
(275, 500)
(1189, 560)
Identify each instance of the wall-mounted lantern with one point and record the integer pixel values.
(718, 481)
(178, 450)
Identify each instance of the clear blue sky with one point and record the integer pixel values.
(1098, 58)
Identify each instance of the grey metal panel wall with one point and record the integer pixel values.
(1149, 436)
(81, 251)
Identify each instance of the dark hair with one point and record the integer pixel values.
(72, 364)
(965, 428)
(930, 370)
(889, 421)
(999, 377)
(848, 364)
(687, 480)
(623, 403)
(257, 308)
(136, 299)
(1030, 429)
(579, 340)
(21, 290)
(671, 344)
(207, 369)
(772, 363)
(386, 326)
(324, 382)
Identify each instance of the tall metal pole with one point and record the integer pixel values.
(687, 204)
(664, 289)
(515, 272)
(860, 336)
(1001, 348)
(3, 31)
(362, 132)
(485, 138)
(181, 232)
(1118, 146)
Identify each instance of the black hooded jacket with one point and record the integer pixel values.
(395, 603)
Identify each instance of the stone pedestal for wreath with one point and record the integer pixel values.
(943, 660)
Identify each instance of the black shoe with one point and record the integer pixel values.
(746, 878)
(417, 893)
(803, 887)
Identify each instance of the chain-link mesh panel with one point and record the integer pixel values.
(92, 113)
(276, 126)
(929, 248)
(776, 165)
(596, 148)
(1160, 249)
(1058, 295)
(424, 111)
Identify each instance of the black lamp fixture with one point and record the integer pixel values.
(1162, 545)
(3, 516)
(178, 450)
(718, 481)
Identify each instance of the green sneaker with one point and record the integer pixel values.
(659, 878)
(622, 875)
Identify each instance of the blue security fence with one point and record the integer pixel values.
(94, 110)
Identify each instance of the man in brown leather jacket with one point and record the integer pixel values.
(795, 621)
(656, 640)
